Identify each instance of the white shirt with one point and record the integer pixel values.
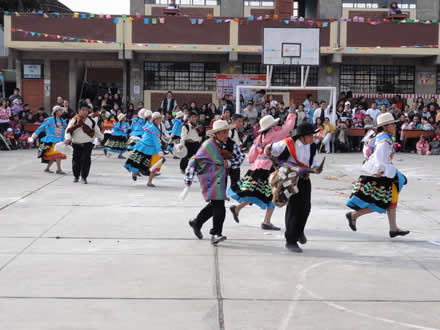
(233, 134)
(302, 152)
(79, 136)
(373, 113)
(380, 161)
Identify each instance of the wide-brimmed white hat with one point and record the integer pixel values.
(156, 115)
(180, 114)
(148, 114)
(56, 108)
(219, 125)
(141, 113)
(385, 119)
(121, 116)
(267, 122)
(347, 102)
(179, 150)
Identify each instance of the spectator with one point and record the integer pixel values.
(193, 107)
(363, 102)
(394, 9)
(308, 104)
(342, 143)
(282, 114)
(60, 101)
(300, 114)
(15, 96)
(437, 118)
(368, 122)
(17, 106)
(169, 103)
(272, 101)
(68, 111)
(274, 112)
(315, 106)
(5, 114)
(227, 115)
(425, 125)
(223, 105)
(423, 146)
(329, 130)
(320, 112)
(251, 113)
(16, 126)
(432, 122)
(398, 102)
(420, 104)
(266, 110)
(29, 119)
(140, 106)
(415, 124)
(117, 99)
(432, 110)
(382, 101)
(259, 101)
(172, 5)
(26, 111)
(425, 113)
(435, 144)
(373, 112)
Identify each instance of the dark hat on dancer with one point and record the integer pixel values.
(305, 129)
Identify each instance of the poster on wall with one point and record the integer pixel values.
(227, 83)
(426, 78)
(31, 71)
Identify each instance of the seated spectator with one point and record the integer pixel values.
(29, 119)
(435, 143)
(193, 107)
(266, 109)
(274, 112)
(394, 9)
(272, 101)
(40, 113)
(24, 140)
(368, 122)
(420, 103)
(68, 111)
(358, 123)
(347, 112)
(397, 100)
(15, 96)
(16, 126)
(425, 112)
(259, 100)
(432, 122)
(5, 114)
(327, 134)
(300, 114)
(308, 103)
(13, 142)
(358, 114)
(342, 143)
(404, 125)
(382, 101)
(17, 106)
(282, 114)
(227, 115)
(415, 124)
(426, 126)
(423, 146)
(251, 113)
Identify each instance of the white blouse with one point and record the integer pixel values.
(381, 160)
(302, 152)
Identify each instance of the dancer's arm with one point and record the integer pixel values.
(285, 130)
(382, 156)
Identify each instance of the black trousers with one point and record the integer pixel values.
(216, 210)
(192, 149)
(81, 159)
(297, 211)
(234, 174)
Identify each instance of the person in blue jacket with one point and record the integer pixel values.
(176, 131)
(147, 157)
(54, 128)
(137, 125)
(117, 143)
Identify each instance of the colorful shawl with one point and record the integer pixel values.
(211, 171)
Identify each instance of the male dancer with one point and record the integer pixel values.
(299, 151)
(81, 131)
(235, 137)
(191, 139)
(210, 163)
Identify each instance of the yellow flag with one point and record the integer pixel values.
(17, 14)
(75, 15)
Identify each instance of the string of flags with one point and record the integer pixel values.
(199, 47)
(241, 20)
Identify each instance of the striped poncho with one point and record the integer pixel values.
(208, 163)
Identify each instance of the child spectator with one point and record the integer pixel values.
(29, 119)
(11, 139)
(435, 144)
(426, 126)
(423, 146)
(23, 140)
(5, 114)
(17, 106)
(16, 126)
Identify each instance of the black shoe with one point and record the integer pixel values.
(105, 152)
(84, 181)
(303, 239)
(269, 227)
(235, 215)
(350, 221)
(196, 229)
(399, 233)
(134, 177)
(215, 239)
(75, 180)
(121, 157)
(293, 247)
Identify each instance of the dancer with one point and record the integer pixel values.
(176, 132)
(117, 143)
(55, 129)
(147, 157)
(235, 138)
(299, 151)
(378, 188)
(136, 128)
(81, 131)
(210, 163)
(191, 139)
(254, 186)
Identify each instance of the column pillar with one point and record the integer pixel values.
(47, 83)
(18, 68)
(73, 83)
(137, 80)
(232, 8)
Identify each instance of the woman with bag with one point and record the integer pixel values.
(55, 128)
(254, 187)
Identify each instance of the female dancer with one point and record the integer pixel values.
(147, 156)
(254, 186)
(136, 128)
(55, 128)
(377, 190)
(117, 143)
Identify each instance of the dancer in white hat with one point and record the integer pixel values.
(55, 128)
(378, 188)
(117, 143)
(254, 187)
(137, 124)
(147, 157)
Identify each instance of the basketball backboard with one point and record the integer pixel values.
(294, 46)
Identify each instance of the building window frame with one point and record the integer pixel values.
(371, 79)
(32, 62)
(196, 76)
(184, 2)
(379, 4)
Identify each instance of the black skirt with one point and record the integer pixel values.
(138, 163)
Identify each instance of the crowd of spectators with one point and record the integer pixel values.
(351, 114)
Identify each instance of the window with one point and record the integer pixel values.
(185, 2)
(403, 4)
(260, 3)
(377, 79)
(33, 69)
(180, 76)
(287, 75)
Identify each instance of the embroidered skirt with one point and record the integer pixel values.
(254, 188)
(132, 142)
(140, 163)
(117, 144)
(373, 193)
(47, 152)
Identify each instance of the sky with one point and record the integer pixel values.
(113, 7)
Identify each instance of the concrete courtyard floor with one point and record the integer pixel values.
(115, 254)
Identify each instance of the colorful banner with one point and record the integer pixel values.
(227, 84)
(391, 95)
(426, 78)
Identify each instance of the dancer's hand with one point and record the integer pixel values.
(378, 174)
(160, 154)
(267, 149)
(225, 162)
(66, 142)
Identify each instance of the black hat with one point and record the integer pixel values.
(305, 129)
(193, 113)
